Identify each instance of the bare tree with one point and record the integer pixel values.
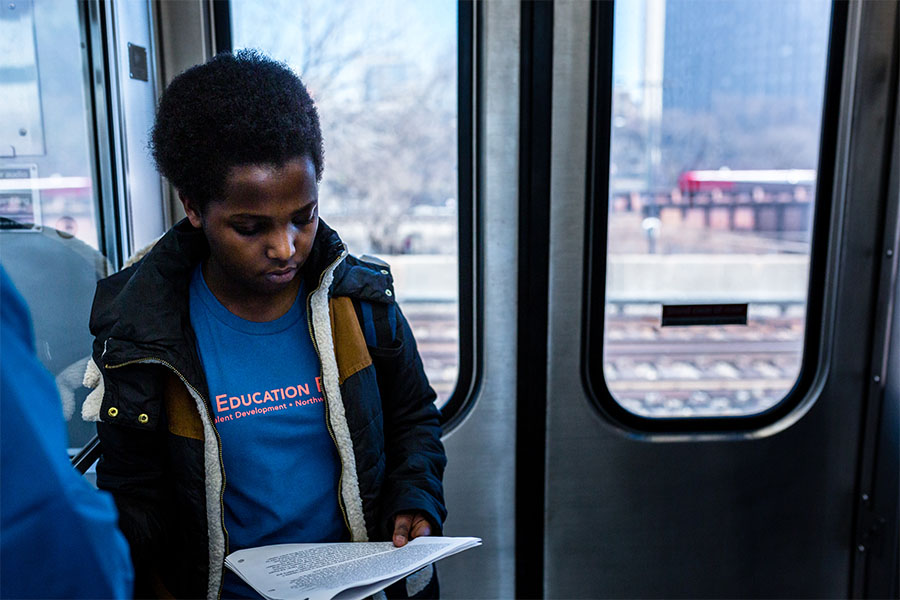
(389, 121)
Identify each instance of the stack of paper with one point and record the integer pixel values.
(348, 571)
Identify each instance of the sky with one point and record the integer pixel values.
(628, 47)
(428, 27)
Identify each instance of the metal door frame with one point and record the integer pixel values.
(792, 530)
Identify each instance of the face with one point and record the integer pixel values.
(261, 231)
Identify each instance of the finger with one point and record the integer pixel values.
(420, 527)
(402, 523)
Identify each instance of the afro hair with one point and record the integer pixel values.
(237, 109)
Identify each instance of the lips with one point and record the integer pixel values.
(281, 275)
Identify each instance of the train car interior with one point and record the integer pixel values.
(648, 249)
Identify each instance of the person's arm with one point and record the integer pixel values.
(413, 497)
(59, 536)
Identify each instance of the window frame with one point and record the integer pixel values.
(468, 381)
(596, 238)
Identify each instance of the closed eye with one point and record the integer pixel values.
(300, 220)
(247, 231)
(304, 220)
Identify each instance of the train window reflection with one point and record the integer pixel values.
(50, 240)
(716, 117)
(384, 76)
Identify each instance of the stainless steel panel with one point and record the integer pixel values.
(185, 36)
(134, 104)
(882, 578)
(768, 515)
(877, 568)
(100, 114)
(479, 482)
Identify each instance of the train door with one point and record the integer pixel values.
(684, 456)
(77, 188)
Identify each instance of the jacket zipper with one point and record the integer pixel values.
(325, 395)
(152, 360)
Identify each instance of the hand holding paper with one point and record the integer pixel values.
(409, 526)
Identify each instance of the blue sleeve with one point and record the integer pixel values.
(58, 535)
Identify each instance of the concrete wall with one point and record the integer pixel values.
(641, 277)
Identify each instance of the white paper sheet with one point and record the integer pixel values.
(347, 571)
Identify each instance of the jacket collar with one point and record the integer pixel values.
(151, 311)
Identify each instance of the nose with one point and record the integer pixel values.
(281, 246)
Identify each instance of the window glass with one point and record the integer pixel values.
(49, 213)
(383, 74)
(716, 116)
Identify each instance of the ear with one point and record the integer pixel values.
(192, 210)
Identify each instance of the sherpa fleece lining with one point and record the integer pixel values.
(214, 491)
(90, 410)
(321, 321)
(213, 469)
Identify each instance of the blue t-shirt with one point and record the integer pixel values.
(282, 468)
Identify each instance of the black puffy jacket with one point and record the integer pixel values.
(161, 453)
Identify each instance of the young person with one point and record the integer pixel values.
(255, 384)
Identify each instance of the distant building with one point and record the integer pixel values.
(716, 50)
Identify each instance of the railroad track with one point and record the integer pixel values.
(654, 348)
(657, 372)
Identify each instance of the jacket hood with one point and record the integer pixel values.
(364, 279)
(144, 307)
(146, 303)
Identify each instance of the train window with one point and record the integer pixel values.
(714, 124)
(384, 76)
(51, 239)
